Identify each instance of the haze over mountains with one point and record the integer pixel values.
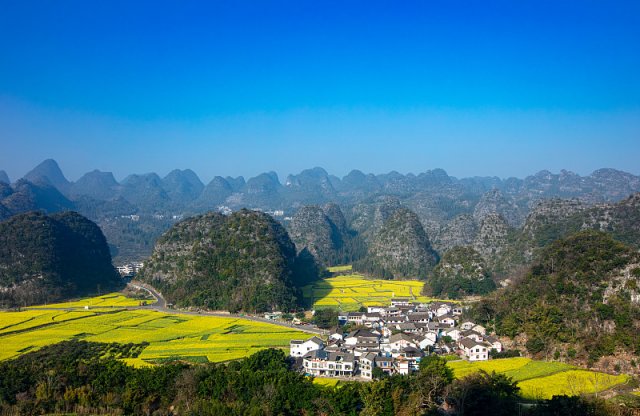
(183, 188)
(482, 212)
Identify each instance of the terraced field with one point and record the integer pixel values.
(350, 292)
(111, 300)
(340, 269)
(171, 336)
(542, 379)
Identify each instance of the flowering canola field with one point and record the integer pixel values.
(350, 292)
(542, 379)
(170, 336)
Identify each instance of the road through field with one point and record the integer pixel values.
(161, 306)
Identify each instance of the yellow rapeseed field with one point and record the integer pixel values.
(350, 292)
(109, 300)
(542, 379)
(171, 336)
(340, 269)
(573, 383)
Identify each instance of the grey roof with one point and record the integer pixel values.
(329, 355)
(316, 354)
(316, 340)
(341, 356)
(367, 345)
(362, 333)
(470, 343)
(371, 356)
(400, 336)
(412, 352)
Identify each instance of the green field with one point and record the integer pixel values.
(340, 269)
(542, 379)
(350, 292)
(171, 336)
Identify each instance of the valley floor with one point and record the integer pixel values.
(191, 337)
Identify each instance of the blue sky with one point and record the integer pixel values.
(227, 88)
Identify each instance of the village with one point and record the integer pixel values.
(392, 340)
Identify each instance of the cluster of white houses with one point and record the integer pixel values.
(130, 269)
(394, 339)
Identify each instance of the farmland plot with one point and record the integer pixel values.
(542, 379)
(350, 292)
(170, 336)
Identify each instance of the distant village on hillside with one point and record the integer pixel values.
(393, 340)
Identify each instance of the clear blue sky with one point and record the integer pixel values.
(501, 88)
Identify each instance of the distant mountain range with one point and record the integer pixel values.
(481, 212)
(183, 189)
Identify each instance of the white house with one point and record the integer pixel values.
(356, 318)
(467, 325)
(447, 320)
(476, 336)
(329, 364)
(429, 340)
(298, 348)
(407, 327)
(419, 317)
(480, 329)
(474, 350)
(495, 343)
(336, 337)
(400, 302)
(441, 309)
(400, 341)
(454, 333)
(367, 364)
(362, 336)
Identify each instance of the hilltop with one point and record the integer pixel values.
(49, 258)
(244, 261)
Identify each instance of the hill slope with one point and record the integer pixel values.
(582, 293)
(400, 248)
(460, 272)
(244, 261)
(47, 258)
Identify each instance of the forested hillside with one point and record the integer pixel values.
(581, 299)
(48, 258)
(244, 261)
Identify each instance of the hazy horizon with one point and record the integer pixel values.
(283, 176)
(493, 89)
